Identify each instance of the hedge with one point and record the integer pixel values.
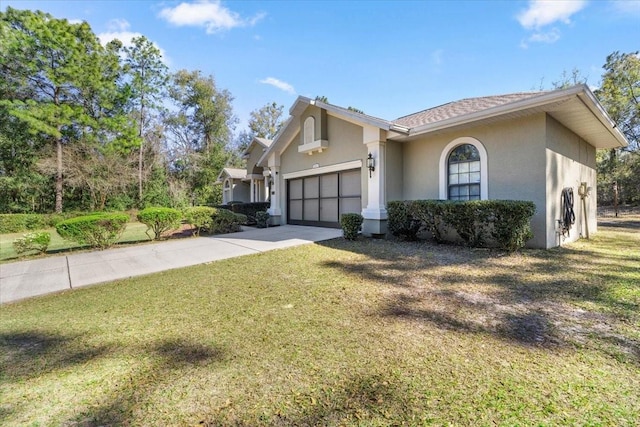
(351, 223)
(507, 222)
(16, 223)
(98, 230)
(250, 210)
(159, 220)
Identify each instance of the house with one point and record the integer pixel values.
(328, 160)
(250, 184)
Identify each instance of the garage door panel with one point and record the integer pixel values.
(329, 185)
(311, 211)
(350, 183)
(312, 187)
(329, 210)
(295, 189)
(350, 205)
(295, 210)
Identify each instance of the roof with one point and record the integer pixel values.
(460, 108)
(575, 107)
(232, 173)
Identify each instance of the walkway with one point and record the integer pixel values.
(26, 279)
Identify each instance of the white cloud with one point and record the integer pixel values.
(544, 12)
(208, 14)
(551, 36)
(279, 84)
(119, 29)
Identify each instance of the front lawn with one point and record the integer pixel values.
(133, 233)
(368, 333)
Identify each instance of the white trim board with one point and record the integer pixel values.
(354, 164)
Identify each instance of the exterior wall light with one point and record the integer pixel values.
(371, 164)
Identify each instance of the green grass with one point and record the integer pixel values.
(135, 232)
(370, 333)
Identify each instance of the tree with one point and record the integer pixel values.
(198, 132)
(619, 93)
(63, 81)
(567, 80)
(149, 75)
(266, 121)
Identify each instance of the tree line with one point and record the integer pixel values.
(86, 126)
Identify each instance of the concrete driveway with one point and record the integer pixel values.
(24, 279)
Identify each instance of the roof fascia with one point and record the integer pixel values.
(589, 99)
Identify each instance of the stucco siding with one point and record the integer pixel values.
(394, 171)
(569, 161)
(515, 163)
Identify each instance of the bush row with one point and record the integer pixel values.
(16, 223)
(248, 209)
(506, 222)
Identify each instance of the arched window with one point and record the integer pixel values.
(464, 173)
(463, 170)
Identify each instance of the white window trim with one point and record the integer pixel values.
(444, 167)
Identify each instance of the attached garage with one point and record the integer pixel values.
(319, 200)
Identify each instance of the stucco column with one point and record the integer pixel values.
(251, 190)
(375, 214)
(276, 195)
(267, 188)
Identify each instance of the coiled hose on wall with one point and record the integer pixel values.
(566, 206)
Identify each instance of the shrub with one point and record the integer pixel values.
(351, 223)
(98, 230)
(225, 221)
(512, 223)
(200, 217)
(400, 222)
(262, 219)
(430, 214)
(470, 219)
(249, 209)
(36, 241)
(159, 220)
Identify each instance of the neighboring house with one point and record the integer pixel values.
(522, 146)
(250, 184)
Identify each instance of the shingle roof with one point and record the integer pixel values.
(460, 108)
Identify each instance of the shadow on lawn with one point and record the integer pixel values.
(30, 354)
(359, 400)
(35, 353)
(168, 358)
(561, 297)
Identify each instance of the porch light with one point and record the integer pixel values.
(371, 164)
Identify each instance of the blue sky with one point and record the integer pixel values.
(387, 58)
